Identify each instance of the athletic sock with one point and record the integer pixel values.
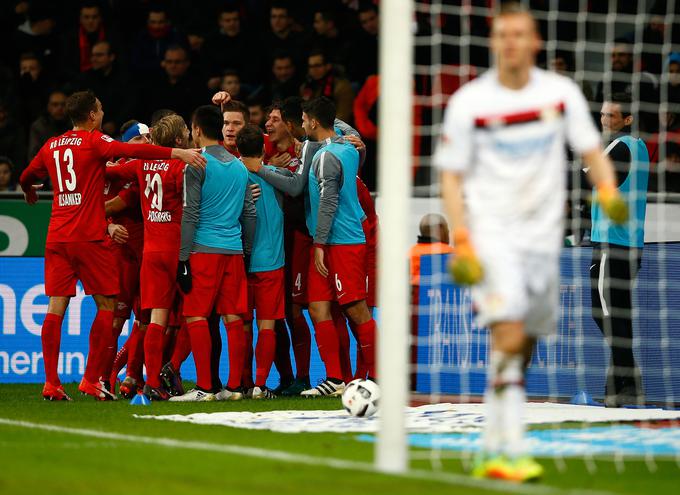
(327, 342)
(282, 356)
(366, 333)
(302, 346)
(264, 355)
(362, 369)
(168, 339)
(135, 344)
(153, 354)
(343, 344)
(236, 340)
(199, 335)
(100, 333)
(119, 362)
(110, 352)
(182, 348)
(513, 397)
(247, 377)
(493, 429)
(50, 336)
(215, 350)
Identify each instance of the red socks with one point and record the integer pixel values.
(236, 341)
(100, 334)
(51, 340)
(247, 376)
(199, 334)
(264, 355)
(302, 346)
(343, 344)
(135, 345)
(168, 344)
(153, 354)
(366, 333)
(118, 363)
(182, 348)
(282, 356)
(327, 342)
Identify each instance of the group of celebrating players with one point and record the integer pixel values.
(242, 226)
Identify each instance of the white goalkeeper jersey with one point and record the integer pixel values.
(510, 147)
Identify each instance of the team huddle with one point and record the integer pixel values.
(243, 227)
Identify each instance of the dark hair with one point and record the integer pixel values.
(231, 72)
(250, 141)
(79, 105)
(282, 54)
(672, 148)
(209, 120)
(321, 109)
(624, 100)
(29, 56)
(91, 4)
(158, 8)
(316, 52)
(291, 110)
(175, 47)
(568, 58)
(127, 125)
(8, 161)
(280, 4)
(327, 14)
(254, 102)
(159, 114)
(237, 106)
(228, 8)
(366, 6)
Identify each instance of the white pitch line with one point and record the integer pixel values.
(283, 456)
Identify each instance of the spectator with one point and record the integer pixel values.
(76, 45)
(617, 252)
(622, 82)
(328, 37)
(322, 81)
(666, 176)
(177, 88)
(7, 182)
(231, 83)
(673, 69)
(563, 63)
(36, 35)
(153, 42)
(363, 61)
(231, 48)
(669, 116)
(114, 88)
(51, 123)
(282, 37)
(33, 88)
(12, 138)
(366, 122)
(257, 115)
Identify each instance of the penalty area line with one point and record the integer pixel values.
(293, 458)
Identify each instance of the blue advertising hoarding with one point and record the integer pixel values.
(452, 351)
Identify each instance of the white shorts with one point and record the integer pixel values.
(518, 286)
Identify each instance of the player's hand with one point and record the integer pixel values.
(612, 203)
(465, 267)
(184, 276)
(319, 261)
(356, 142)
(31, 196)
(256, 191)
(221, 98)
(118, 233)
(192, 157)
(298, 149)
(281, 160)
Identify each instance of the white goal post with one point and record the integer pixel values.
(394, 189)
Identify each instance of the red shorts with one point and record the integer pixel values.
(219, 281)
(346, 281)
(266, 295)
(158, 280)
(129, 265)
(371, 264)
(299, 262)
(87, 261)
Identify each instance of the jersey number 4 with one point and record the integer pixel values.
(70, 181)
(154, 185)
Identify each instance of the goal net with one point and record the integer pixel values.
(608, 49)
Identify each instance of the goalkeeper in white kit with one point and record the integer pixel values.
(502, 157)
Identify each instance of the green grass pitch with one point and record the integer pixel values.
(190, 459)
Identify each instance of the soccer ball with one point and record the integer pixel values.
(361, 397)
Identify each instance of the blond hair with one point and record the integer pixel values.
(167, 130)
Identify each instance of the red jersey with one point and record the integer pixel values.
(368, 205)
(75, 163)
(270, 151)
(162, 200)
(131, 216)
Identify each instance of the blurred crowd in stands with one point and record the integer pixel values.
(139, 56)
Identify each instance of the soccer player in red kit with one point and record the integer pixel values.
(75, 248)
(162, 183)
